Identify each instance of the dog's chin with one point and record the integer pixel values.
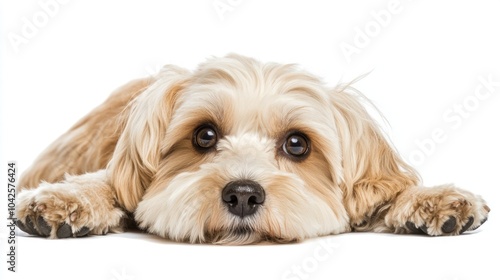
(243, 235)
(239, 235)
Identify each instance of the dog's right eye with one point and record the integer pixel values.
(205, 137)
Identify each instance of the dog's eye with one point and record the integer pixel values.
(297, 146)
(205, 137)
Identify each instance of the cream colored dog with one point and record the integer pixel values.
(235, 152)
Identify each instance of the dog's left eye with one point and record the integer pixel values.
(296, 146)
(205, 137)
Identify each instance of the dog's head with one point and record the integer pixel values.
(238, 152)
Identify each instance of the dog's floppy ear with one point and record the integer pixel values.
(137, 153)
(373, 172)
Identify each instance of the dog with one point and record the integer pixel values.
(235, 152)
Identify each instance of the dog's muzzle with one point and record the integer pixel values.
(243, 197)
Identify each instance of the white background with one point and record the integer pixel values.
(426, 62)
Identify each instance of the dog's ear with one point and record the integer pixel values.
(372, 171)
(137, 153)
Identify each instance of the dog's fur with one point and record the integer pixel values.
(135, 154)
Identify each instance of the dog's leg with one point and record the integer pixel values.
(441, 210)
(79, 205)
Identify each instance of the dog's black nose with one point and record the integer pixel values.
(243, 197)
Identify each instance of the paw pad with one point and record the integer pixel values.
(64, 231)
(29, 227)
(449, 226)
(43, 227)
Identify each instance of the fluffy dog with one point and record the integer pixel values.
(235, 152)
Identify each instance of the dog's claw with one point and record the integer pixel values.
(31, 226)
(82, 232)
(22, 227)
(424, 229)
(412, 228)
(480, 224)
(448, 227)
(43, 227)
(467, 225)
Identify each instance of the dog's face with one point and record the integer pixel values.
(238, 152)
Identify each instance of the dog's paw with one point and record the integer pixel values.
(68, 209)
(445, 211)
(53, 214)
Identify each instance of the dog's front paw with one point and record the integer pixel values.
(68, 209)
(443, 210)
(49, 213)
